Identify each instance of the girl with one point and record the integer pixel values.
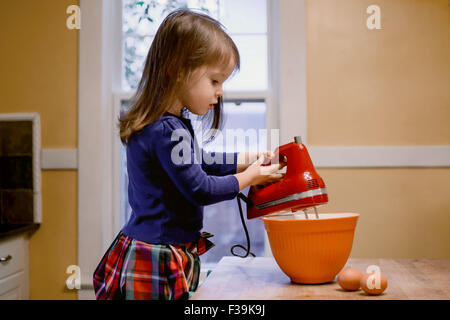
(156, 254)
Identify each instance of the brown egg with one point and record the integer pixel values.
(349, 279)
(371, 285)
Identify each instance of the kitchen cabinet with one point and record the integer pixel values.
(260, 278)
(14, 267)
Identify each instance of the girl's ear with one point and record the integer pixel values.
(181, 74)
(180, 78)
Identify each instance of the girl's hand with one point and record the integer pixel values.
(245, 159)
(270, 157)
(262, 173)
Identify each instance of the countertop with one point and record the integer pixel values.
(260, 278)
(7, 230)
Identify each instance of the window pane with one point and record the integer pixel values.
(245, 21)
(135, 51)
(253, 73)
(248, 118)
(143, 17)
(244, 16)
(223, 219)
(136, 21)
(252, 50)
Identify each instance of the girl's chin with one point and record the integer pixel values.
(201, 113)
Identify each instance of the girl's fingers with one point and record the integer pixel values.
(273, 179)
(260, 159)
(275, 167)
(276, 177)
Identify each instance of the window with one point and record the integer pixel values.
(245, 22)
(246, 98)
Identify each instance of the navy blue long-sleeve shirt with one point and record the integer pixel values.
(169, 184)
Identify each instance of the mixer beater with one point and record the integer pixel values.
(315, 211)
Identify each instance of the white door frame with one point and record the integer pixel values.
(98, 56)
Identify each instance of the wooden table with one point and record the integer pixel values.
(258, 278)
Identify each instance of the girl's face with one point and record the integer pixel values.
(205, 88)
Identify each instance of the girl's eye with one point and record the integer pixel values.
(215, 82)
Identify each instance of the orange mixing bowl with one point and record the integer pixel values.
(311, 250)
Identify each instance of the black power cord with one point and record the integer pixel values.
(247, 250)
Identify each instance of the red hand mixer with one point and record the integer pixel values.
(300, 189)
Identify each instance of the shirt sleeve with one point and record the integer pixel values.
(219, 163)
(173, 146)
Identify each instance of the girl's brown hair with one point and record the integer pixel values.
(185, 41)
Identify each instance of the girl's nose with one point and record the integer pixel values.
(219, 93)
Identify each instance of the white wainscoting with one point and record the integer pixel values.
(380, 156)
(59, 159)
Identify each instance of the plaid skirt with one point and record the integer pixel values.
(136, 270)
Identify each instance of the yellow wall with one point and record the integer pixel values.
(401, 214)
(39, 73)
(378, 87)
(383, 87)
